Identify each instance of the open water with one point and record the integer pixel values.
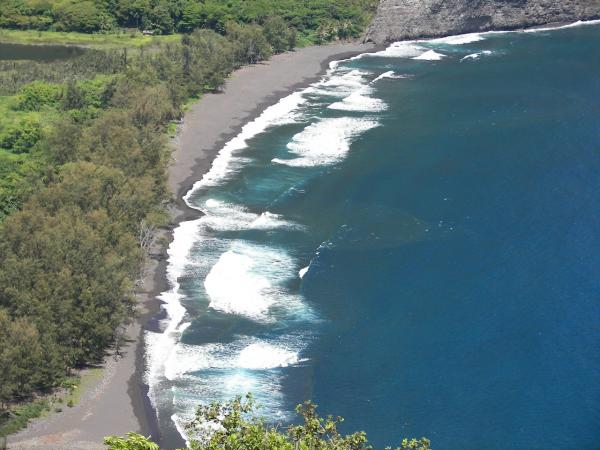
(413, 243)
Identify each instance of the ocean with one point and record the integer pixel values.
(412, 243)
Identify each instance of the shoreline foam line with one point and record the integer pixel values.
(410, 48)
(160, 345)
(225, 164)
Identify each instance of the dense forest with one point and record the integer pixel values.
(236, 426)
(327, 19)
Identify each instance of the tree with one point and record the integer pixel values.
(82, 16)
(73, 96)
(133, 441)
(249, 42)
(161, 20)
(133, 13)
(234, 425)
(61, 141)
(22, 357)
(209, 58)
(190, 17)
(279, 35)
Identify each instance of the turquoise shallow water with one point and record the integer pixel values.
(411, 243)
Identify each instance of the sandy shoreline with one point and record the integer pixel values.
(217, 118)
(117, 403)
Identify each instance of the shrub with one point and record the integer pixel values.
(82, 16)
(234, 425)
(279, 34)
(22, 137)
(37, 95)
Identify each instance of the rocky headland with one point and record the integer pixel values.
(409, 19)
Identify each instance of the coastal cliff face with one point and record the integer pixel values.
(408, 19)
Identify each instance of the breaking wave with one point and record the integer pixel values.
(459, 39)
(247, 281)
(430, 55)
(389, 74)
(326, 141)
(476, 55)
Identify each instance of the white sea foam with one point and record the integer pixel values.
(180, 423)
(459, 39)
(224, 216)
(390, 74)
(234, 288)
(225, 162)
(246, 281)
(161, 344)
(349, 80)
(579, 23)
(246, 353)
(326, 141)
(360, 101)
(476, 55)
(352, 86)
(302, 272)
(404, 49)
(340, 84)
(226, 370)
(430, 55)
(262, 356)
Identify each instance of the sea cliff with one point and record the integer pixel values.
(408, 19)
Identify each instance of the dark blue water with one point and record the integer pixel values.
(449, 218)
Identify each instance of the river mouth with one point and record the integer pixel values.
(41, 53)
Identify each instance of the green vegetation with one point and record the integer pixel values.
(116, 39)
(235, 426)
(315, 19)
(16, 418)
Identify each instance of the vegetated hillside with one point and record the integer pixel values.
(326, 18)
(408, 19)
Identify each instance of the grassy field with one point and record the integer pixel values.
(100, 40)
(68, 397)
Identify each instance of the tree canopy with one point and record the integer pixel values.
(235, 425)
(331, 18)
